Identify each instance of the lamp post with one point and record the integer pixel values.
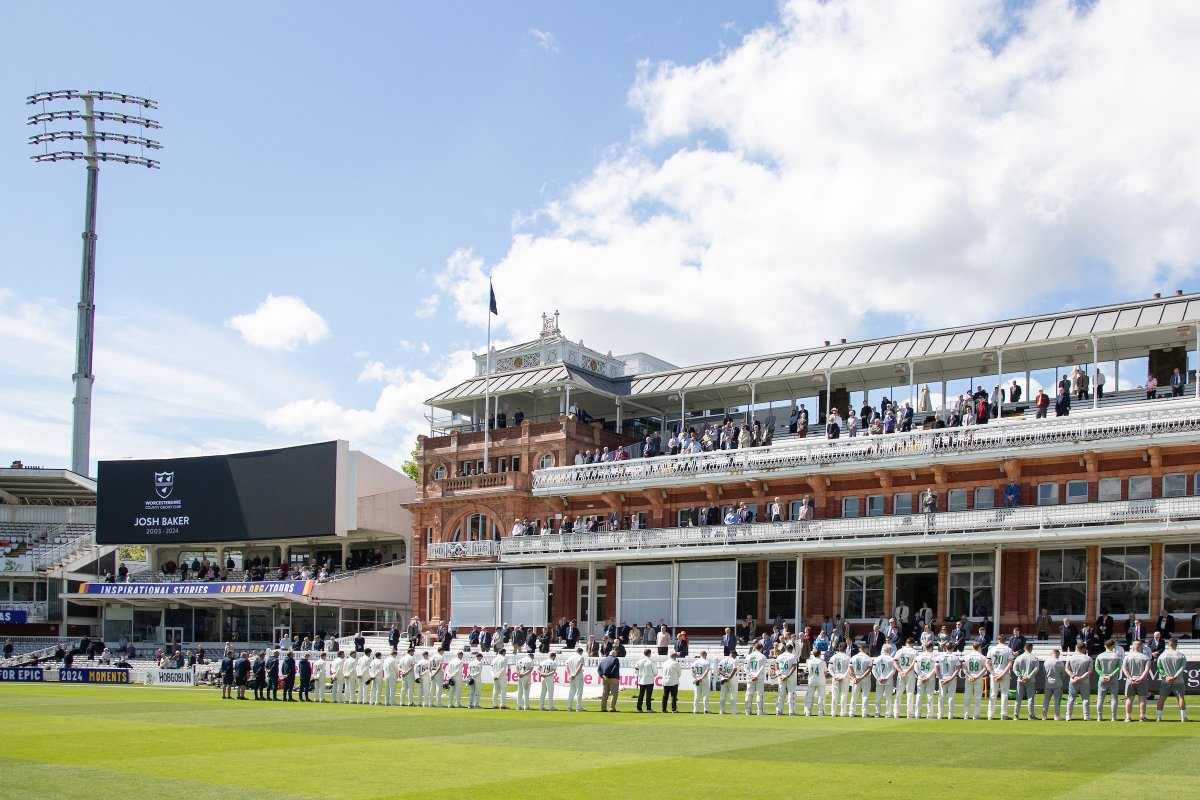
(89, 115)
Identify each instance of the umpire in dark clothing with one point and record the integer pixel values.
(305, 670)
(287, 670)
(241, 674)
(273, 676)
(260, 676)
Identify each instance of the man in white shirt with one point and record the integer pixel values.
(884, 670)
(926, 671)
(975, 668)
(320, 672)
(839, 674)
(786, 665)
(335, 676)
(499, 667)
(575, 663)
(362, 673)
(1136, 669)
(390, 677)
(949, 667)
(1079, 680)
(727, 683)
(441, 688)
(670, 672)
(548, 671)
(375, 679)
(405, 666)
(861, 665)
(525, 667)
(702, 680)
(475, 680)
(1025, 667)
(423, 674)
(756, 677)
(646, 671)
(349, 668)
(906, 676)
(1000, 659)
(454, 678)
(816, 685)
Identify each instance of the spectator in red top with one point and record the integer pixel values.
(1041, 403)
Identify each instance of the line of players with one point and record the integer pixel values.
(925, 679)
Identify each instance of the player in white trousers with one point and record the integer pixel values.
(1079, 680)
(405, 664)
(390, 677)
(500, 680)
(885, 670)
(548, 670)
(906, 679)
(787, 667)
(454, 677)
(335, 677)
(926, 670)
(574, 676)
(440, 685)
(839, 676)
(362, 673)
(949, 669)
(702, 679)
(475, 680)
(860, 680)
(320, 672)
(816, 684)
(349, 668)
(756, 679)
(525, 666)
(375, 679)
(1000, 659)
(727, 669)
(975, 669)
(423, 670)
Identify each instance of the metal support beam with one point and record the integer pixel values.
(1096, 370)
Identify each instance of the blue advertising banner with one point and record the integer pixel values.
(22, 674)
(12, 616)
(303, 588)
(89, 675)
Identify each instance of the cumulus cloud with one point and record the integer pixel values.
(546, 40)
(280, 323)
(857, 168)
(428, 306)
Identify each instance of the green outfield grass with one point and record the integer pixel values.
(124, 741)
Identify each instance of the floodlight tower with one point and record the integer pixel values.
(85, 328)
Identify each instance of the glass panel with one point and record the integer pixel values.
(707, 593)
(1174, 485)
(985, 497)
(1139, 487)
(1077, 491)
(875, 505)
(1110, 490)
(902, 504)
(849, 507)
(957, 500)
(1050, 565)
(1047, 494)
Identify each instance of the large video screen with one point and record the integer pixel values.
(271, 494)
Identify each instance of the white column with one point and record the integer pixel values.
(1095, 369)
(799, 591)
(591, 603)
(912, 388)
(828, 395)
(674, 621)
(499, 598)
(750, 410)
(1197, 362)
(618, 415)
(682, 411)
(1116, 374)
(999, 384)
(996, 594)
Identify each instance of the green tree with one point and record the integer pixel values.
(409, 467)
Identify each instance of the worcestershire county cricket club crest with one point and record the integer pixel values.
(164, 482)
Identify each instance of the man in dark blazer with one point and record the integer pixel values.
(571, 635)
(1105, 625)
(1068, 636)
(1165, 625)
(875, 641)
(958, 637)
(360, 642)
(394, 637)
(729, 641)
(1135, 631)
(241, 674)
(260, 676)
(273, 676)
(287, 671)
(306, 671)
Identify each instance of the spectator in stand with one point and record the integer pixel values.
(1098, 382)
(1014, 393)
(1062, 407)
(1012, 495)
(122, 572)
(833, 427)
(1151, 387)
(1041, 402)
(8, 648)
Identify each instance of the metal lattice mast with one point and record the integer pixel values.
(86, 324)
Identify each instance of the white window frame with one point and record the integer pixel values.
(847, 503)
(1105, 490)
(1077, 492)
(439, 474)
(987, 492)
(897, 505)
(1052, 499)
(542, 461)
(1178, 478)
(854, 567)
(874, 505)
(978, 564)
(956, 500)
(1141, 487)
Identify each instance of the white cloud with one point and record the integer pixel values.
(425, 348)
(280, 323)
(865, 164)
(546, 40)
(428, 306)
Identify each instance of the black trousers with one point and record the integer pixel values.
(670, 693)
(289, 685)
(646, 693)
(258, 689)
(272, 687)
(305, 688)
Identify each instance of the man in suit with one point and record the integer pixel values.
(1105, 625)
(394, 636)
(1016, 642)
(728, 642)
(273, 676)
(571, 635)
(287, 671)
(1165, 625)
(1135, 631)
(360, 642)
(958, 637)
(241, 674)
(259, 669)
(1068, 636)
(305, 674)
(875, 641)
(984, 639)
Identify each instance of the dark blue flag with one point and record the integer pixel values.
(492, 302)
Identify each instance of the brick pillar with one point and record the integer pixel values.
(1031, 579)
(835, 584)
(1156, 579)
(762, 593)
(1093, 583)
(941, 607)
(889, 577)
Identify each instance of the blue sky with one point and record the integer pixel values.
(625, 162)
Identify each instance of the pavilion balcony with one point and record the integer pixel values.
(486, 549)
(1023, 526)
(1175, 422)
(478, 484)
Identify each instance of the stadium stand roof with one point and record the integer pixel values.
(37, 486)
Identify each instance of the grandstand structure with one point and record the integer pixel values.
(1096, 510)
(74, 579)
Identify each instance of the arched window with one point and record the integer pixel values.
(439, 474)
(475, 529)
(546, 461)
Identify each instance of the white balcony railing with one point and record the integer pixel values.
(50, 556)
(442, 551)
(835, 530)
(802, 456)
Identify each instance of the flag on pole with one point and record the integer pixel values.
(492, 301)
